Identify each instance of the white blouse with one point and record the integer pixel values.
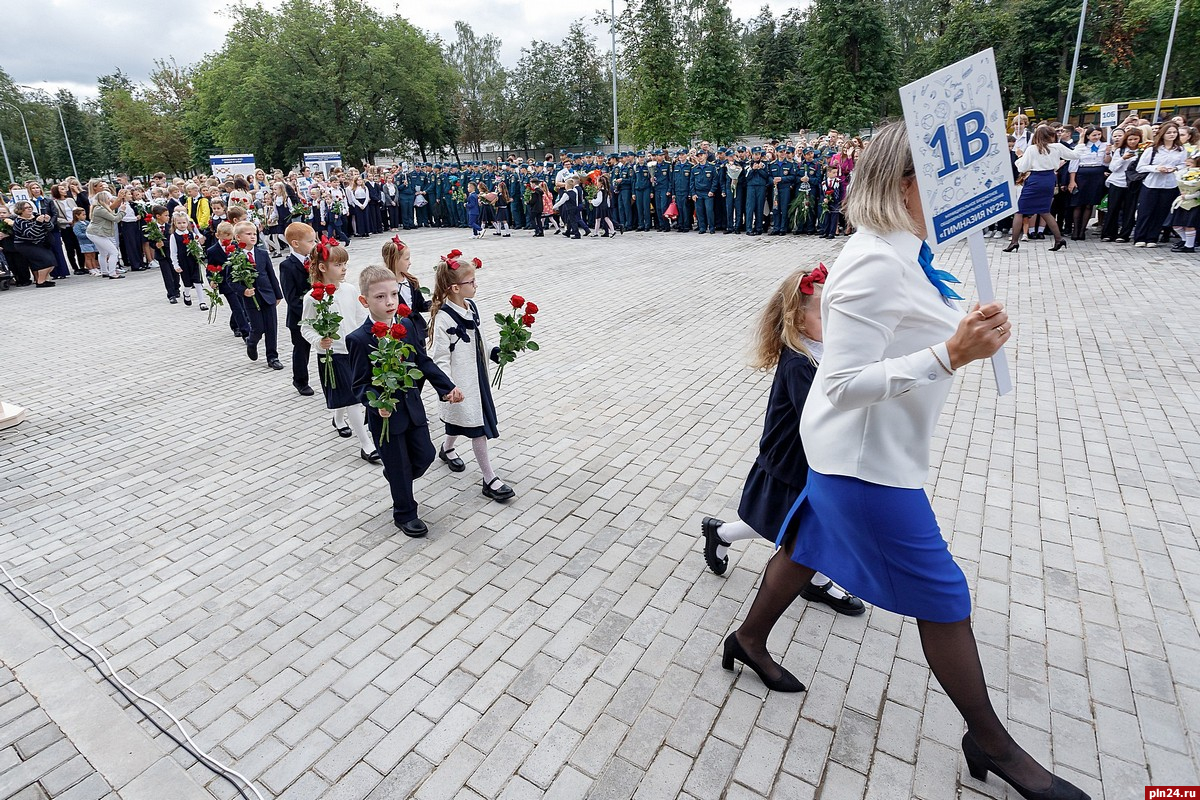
(1119, 167)
(1034, 160)
(1089, 157)
(879, 388)
(345, 302)
(1162, 158)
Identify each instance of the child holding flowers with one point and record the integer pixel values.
(330, 313)
(406, 450)
(457, 345)
(248, 270)
(182, 255)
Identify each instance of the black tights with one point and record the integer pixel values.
(1018, 226)
(1083, 215)
(949, 648)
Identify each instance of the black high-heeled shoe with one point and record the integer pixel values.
(980, 764)
(787, 682)
(1012, 248)
(1058, 245)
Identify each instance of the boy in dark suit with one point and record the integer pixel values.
(266, 290)
(408, 450)
(215, 255)
(293, 277)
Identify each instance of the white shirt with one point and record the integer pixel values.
(1034, 160)
(879, 387)
(1162, 158)
(1119, 167)
(1089, 157)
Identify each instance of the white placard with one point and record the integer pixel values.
(323, 162)
(960, 148)
(20, 194)
(228, 166)
(1108, 116)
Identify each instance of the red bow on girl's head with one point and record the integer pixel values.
(810, 280)
(478, 264)
(324, 245)
(451, 263)
(399, 244)
(453, 254)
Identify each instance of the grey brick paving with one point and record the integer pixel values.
(197, 519)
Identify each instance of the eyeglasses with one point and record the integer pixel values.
(466, 283)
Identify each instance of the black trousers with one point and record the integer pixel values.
(130, 239)
(301, 350)
(1122, 203)
(263, 324)
(238, 322)
(1152, 210)
(170, 277)
(406, 455)
(71, 245)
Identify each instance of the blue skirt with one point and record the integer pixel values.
(1037, 193)
(881, 543)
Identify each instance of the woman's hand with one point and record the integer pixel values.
(325, 343)
(980, 334)
(384, 413)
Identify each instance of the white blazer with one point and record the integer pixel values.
(879, 388)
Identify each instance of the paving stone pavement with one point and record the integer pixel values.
(202, 524)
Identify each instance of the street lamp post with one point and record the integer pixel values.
(36, 172)
(613, 21)
(1162, 81)
(62, 122)
(7, 163)
(1075, 63)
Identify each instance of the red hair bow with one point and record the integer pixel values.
(453, 254)
(809, 281)
(396, 241)
(478, 264)
(324, 245)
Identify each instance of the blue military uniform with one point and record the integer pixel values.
(758, 178)
(641, 191)
(704, 189)
(681, 188)
(783, 175)
(661, 179)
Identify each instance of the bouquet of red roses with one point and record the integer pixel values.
(515, 334)
(326, 323)
(212, 289)
(241, 268)
(391, 371)
(193, 247)
(153, 233)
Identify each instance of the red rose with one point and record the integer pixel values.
(379, 330)
(318, 293)
(517, 301)
(330, 288)
(527, 320)
(229, 248)
(147, 218)
(187, 240)
(403, 310)
(398, 331)
(531, 307)
(241, 245)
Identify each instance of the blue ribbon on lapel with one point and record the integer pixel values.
(939, 278)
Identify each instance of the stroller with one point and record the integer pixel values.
(6, 276)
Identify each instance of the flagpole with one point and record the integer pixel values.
(1162, 81)
(1075, 63)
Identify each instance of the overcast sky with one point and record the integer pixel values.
(68, 43)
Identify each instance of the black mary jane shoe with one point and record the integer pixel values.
(980, 764)
(712, 541)
(187, 301)
(414, 528)
(372, 456)
(454, 463)
(343, 432)
(497, 490)
(848, 604)
(733, 651)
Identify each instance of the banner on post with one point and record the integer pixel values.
(227, 166)
(325, 162)
(1108, 116)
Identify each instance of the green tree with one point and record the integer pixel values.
(776, 87)
(586, 87)
(654, 73)
(716, 85)
(849, 63)
(481, 86)
(542, 97)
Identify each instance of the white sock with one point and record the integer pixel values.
(339, 418)
(355, 417)
(479, 445)
(448, 447)
(1189, 237)
(835, 591)
(730, 532)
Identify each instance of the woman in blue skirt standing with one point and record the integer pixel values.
(893, 338)
(1041, 160)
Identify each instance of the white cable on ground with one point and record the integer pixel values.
(224, 770)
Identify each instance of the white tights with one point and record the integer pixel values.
(354, 416)
(480, 448)
(737, 530)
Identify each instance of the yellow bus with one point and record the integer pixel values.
(1188, 107)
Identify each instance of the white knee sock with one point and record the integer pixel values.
(339, 417)
(448, 447)
(479, 445)
(1189, 237)
(356, 418)
(730, 532)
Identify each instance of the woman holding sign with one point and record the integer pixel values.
(1041, 161)
(894, 338)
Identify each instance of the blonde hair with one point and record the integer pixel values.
(372, 275)
(243, 226)
(391, 260)
(875, 199)
(443, 278)
(781, 323)
(180, 216)
(225, 231)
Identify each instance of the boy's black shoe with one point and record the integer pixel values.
(303, 389)
(274, 363)
(173, 300)
(252, 351)
(455, 463)
(414, 528)
(495, 489)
